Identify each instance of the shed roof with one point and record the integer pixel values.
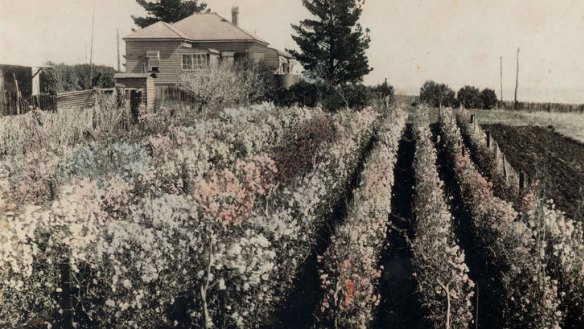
(283, 53)
(131, 75)
(197, 27)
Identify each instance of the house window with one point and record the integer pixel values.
(153, 57)
(284, 68)
(194, 61)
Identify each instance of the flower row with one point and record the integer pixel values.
(508, 249)
(439, 262)
(350, 271)
(559, 238)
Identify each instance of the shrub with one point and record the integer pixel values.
(60, 78)
(226, 84)
(331, 98)
(303, 92)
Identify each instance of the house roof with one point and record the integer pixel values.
(159, 30)
(197, 27)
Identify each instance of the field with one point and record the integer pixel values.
(267, 217)
(569, 124)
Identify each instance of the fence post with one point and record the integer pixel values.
(135, 100)
(472, 118)
(504, 168)
(521, 181)
(17, 94)
(488, 138)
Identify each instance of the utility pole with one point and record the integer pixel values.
(118, 41)
(501, 77)
(516, 80)
(91, 51)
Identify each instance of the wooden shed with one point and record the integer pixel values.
(144, 81)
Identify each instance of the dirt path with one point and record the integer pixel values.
(558, 161)
(400, 306)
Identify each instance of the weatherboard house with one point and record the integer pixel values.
(167, 50)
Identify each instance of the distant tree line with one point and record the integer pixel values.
(440, 94)
(58, 78)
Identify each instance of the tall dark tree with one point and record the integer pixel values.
(437, 94)
(333, 44)
(469, 97)
(488, 99)
(169, 11)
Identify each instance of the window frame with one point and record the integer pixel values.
(198, 61)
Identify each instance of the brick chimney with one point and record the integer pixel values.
(235, 15)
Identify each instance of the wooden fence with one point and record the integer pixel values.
(546, 107)
(10, 104)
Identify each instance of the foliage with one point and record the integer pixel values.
(331, 98)
(510, 249)
(437, 94)
(226, 84)
(295, 155)
(381, 93)
(559, 237)
(168, 11)
(441, 272)
(185, 227)
(469, 97)
(302, 92)
(488, 99)
(346, 96)
(350, 268)
(333, 44)
(58, 78)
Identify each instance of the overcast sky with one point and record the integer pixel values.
(453, 41)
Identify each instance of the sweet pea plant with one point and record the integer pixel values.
(350, 272)
(508, 246)
(185, 227)
(441, 272)
(559, 238)
(489, 163)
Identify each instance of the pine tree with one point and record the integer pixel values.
(332, 46)
(169, 11)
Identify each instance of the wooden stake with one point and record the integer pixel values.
(118, 42)
(504, 168)
(488, 138)
(516, 81)
(501, 76)
(17, 94)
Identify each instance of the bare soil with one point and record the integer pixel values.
(556, 161)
